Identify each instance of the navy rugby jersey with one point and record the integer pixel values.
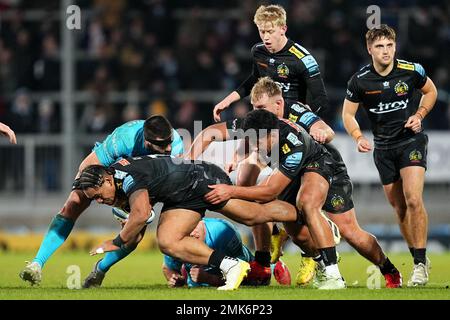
(388, 100)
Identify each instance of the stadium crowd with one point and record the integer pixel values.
(162, 47)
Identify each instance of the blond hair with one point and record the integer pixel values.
(265, 85)
(273, 13)
(383, 31)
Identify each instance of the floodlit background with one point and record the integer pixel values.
(61, 90)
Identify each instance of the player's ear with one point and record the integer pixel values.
(284, 29)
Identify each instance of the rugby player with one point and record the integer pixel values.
(306, 190)
(388, 90)
(141, 137)
(181, 187)
(289, 64)
(8, 132)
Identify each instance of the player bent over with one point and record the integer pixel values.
(181, 187)
(152, 136)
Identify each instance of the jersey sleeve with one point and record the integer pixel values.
(310, 72)
(177, 144)
(234, 128)
(303, 116)
(420, 77)
(292, 157)
(117, 145)
(353, 91)
(246, 87)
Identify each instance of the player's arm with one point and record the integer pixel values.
(199, 275)
(319, 98)
(215, 132)
(352, 126)
(224, 104)
(268, 190)
(173, 277)
(321, 132)
(429, 96)
(8, 132)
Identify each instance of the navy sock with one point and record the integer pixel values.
(328, 255)
(387, 267)
(411, 250)
(215, 259)
(263, 258)
(420, 256)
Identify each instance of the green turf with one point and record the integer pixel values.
(139, 277)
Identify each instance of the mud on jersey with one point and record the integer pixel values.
(388, 100)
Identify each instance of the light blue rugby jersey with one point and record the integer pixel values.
(128, 141)
(222, 236)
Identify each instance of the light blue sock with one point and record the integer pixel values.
(57, 233)
(112, 257)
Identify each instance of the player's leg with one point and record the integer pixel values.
(413, 182)
(310, 199)
(173, 234)
(58, 231)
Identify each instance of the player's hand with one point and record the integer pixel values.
(319, 135)
(176, 280)
(7, 132)
(229, 167)
(104, 247)
(414, 123)
(220, 193)
(197, 274)
(218, 109)
(364, 144)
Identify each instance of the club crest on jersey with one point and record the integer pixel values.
(283, 70)
(120, 174)
(390, 106)
(337, 202)
(401, 88)
(415, 156)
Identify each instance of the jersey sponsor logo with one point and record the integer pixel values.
(118, 174)
(293, 160)
(234, 125)
(283, 86)
(298, 108)
(292, 138)
(292, 117)
(296, 52)
(311, 65)
(390, 107)
(415, 156)
(386, 85)
(308, 118)
(405, 66)
(283, 70)
(124, 162)
(419, 69)
(401, 88)
(349, 93)
(337, 202)
(271, 61)
(285, 149)
(293, 125)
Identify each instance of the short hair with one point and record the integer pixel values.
(157, 127)
(260, 119)
(383, 31)
(272, 13)
(93, 176)
(265, 85)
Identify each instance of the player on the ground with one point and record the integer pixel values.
(8, 132)
(218, 234)
(388, 90)
(306, 190)
(181, 187)
(289, 64)
(141, 137)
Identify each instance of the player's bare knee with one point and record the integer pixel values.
(414, 203)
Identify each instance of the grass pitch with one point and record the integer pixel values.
(139, 277)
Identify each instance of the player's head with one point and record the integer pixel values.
(266, 94)
(200, 231)
(271, 23)
(158, 134)
(97, 183)
(380, 43)
(266, 125)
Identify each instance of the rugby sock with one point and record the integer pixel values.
(57, 233)
(420, 256)
(319, 261)
(387, 267)
(215, 259)
(112, 257)
(328, 255)
(411, 250)
(263, 258)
